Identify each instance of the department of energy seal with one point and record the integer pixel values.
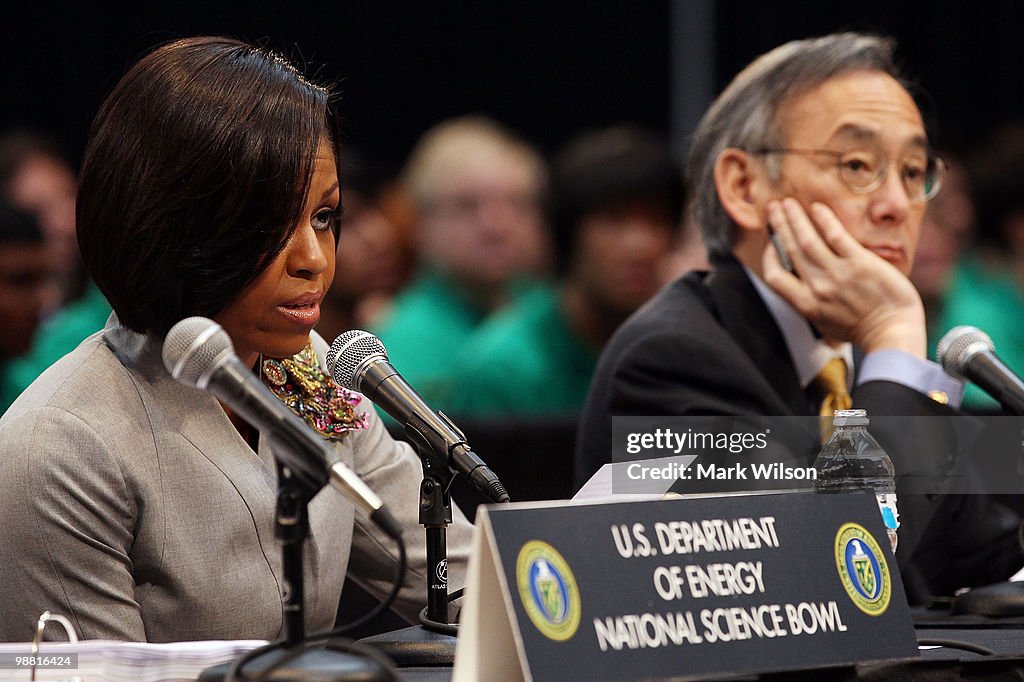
(862, 569)
(548, 590)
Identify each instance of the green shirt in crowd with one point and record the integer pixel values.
(991, 300)
(57, 337)
(426, 330)
(526, 361)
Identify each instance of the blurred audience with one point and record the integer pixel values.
(36, 179)
(946, 231)
(689, 252)
(478, 191)
(374, 255)
(26, 279)
(987, 286)
(615, 205)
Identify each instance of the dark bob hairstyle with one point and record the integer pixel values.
(194, 176)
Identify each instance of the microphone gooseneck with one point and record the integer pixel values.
(358, 361)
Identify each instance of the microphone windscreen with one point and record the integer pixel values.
(958, 346)
(349, 352)
(193, 348)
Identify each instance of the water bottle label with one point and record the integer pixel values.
(887, 505)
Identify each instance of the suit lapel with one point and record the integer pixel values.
(744, 315)
(182, 413)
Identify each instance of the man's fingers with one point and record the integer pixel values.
(782, 235)
(832, 231)
(784, 283)
(808, 241)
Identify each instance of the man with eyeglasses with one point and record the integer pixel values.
(818, 146)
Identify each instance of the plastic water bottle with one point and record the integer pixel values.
(852, 460)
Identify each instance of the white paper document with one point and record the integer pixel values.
(110, 661)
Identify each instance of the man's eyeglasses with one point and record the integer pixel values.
(864, 170)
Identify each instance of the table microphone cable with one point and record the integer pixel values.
(957, 644)
(443, 628)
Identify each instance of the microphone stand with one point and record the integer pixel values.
(297, 660)
(435, 517)
(291, 527)
(420, 645)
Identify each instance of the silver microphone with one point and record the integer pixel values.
(357, 360)
(968, 353)
(198, 352)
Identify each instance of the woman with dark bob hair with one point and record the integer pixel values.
(140, 507)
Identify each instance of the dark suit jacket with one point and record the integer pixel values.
(707, 345)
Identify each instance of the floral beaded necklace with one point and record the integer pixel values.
(312, 394)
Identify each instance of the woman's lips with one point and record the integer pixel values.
(304, 310)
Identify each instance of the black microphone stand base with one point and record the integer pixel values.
(415, 647)
(312, 665)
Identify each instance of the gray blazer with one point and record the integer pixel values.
(130, 504)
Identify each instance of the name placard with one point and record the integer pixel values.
(747, 583)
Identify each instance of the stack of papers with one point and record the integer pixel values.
(111, 661)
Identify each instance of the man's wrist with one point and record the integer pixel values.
(908, 335)
(919, 374)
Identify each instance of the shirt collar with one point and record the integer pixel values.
(809, 353)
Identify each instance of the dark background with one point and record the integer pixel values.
(547, 69)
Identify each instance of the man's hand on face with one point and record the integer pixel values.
(847, 292)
